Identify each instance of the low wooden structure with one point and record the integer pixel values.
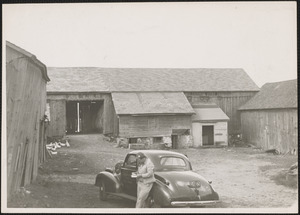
(270, 119)
(210, 125)
(26, 79)
(157, 116)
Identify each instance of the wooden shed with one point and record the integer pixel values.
(156, 116)
(270, 119)
(210, 125)
(26, 79)
(227, 88)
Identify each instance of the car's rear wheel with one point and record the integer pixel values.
(152, 203)
(102, 191)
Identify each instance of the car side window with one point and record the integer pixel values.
(130, 161)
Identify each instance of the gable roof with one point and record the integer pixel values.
(92, 79)
(273, 96)
(30, 57)
(151, 103)
(208, 112)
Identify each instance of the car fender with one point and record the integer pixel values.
(111, 181)
(161, 193)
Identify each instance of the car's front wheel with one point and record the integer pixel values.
(102, 191)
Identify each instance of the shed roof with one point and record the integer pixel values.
(208, 112)
(88, 79)
(151, 103)
(274, 96)
(30, 57)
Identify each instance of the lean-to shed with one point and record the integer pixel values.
(210, 125)
(26, 79)
(270, 119)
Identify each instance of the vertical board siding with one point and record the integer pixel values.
(271, 129)
(57, 125)
(26, 92)
(152, 126)
(109, 115)
(229, 102)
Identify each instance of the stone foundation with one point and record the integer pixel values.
(184, 141)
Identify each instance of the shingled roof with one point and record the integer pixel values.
(273, 96)
(91, 79)
(151, 103)
(208, 112)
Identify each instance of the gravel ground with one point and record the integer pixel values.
(243, 177)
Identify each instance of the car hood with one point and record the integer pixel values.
(181, 185)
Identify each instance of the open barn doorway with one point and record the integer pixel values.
(84, 117)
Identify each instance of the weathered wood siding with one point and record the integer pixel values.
(25, 108)
(109, 116)
(229, 102)
(58, 110)
(271, 129)
(152, 126)
(57, 125)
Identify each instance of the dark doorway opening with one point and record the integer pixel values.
(174, 139)
(208, 135)
(84, 117)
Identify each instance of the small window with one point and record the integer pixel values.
(132, 140)
(190, 98)
(131, 160)
(157, 139)
(172, 161)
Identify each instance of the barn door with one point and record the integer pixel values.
(72, 119)
(83, 117)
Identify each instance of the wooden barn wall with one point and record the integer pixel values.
(229, 102)
(271, 129)
(152, 126)
(58, 101)
(109, 116)
(26, 93)
(57, 125)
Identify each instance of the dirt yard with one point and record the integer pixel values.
(243, 177)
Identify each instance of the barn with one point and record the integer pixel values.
(270, 119)
(150, 103)
(26, 79)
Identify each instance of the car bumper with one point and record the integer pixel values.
(193, 203)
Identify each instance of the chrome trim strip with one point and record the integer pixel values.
(187, 203)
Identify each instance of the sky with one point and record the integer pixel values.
(259, 37)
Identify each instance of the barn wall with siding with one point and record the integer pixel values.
(58, 101)
(57, 124)
(26, 105)
(229, 102)
(271, 129)
(152, 126)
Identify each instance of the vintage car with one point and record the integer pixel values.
(176, 184)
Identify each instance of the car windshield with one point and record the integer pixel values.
(173, 163)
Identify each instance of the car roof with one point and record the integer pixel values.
(156, 153)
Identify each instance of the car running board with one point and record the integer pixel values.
(123, 195)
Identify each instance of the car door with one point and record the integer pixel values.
(129, 183)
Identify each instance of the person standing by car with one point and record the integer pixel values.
(145, 179)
